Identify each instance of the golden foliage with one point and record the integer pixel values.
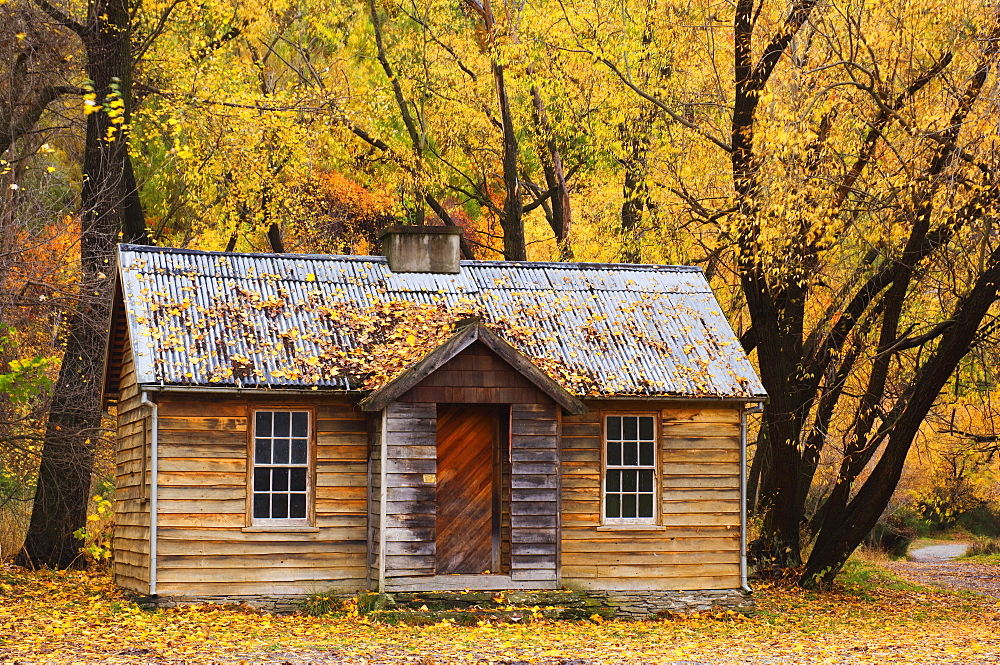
(335, 215)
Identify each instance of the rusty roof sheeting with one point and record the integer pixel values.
(633, 330)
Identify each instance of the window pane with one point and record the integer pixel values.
(628, 505)
(630, 427)
(629, 481)
(646, 453)
(280, 480)
(300, 423)
(630, 453)
(297, 507)
(261, 480)
(630, 475)
(645, 505)
(646, 480)
(263, 423)
(282, 423)
(261, 505)
(299, 448)
(281, 451)
(614, 481)
(279, 506)
(281, 454)
(614, 428)
(614, 506)
(646, 428)
(262, 451)
(614, 453)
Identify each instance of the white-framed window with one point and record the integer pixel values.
(281, 478)
(630, 469)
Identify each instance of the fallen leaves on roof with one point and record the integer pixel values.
(201, 325)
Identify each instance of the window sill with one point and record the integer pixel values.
(631, 527)
(275, 528)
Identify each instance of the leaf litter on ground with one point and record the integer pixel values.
(871, 617)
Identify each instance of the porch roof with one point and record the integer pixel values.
(465, 336)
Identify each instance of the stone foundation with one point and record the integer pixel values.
(516, 605)
(648, 604)
(273, 604)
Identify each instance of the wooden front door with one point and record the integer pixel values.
(467, 489)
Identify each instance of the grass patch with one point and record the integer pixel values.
(333, 604)
(989, 559)
(866, 579)
(983, 547)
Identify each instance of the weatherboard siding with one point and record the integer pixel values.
(205, 547)
(131, 531)
(698, 543)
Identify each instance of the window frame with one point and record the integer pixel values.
(310, 467)
(626, 522)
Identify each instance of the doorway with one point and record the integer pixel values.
(472, 504)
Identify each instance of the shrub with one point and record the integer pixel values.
(319, 604)
(983, 547)
(893, 539)
(983, 520)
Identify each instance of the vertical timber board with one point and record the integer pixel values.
(696, 545)
(534, 494)
(411, 472)
(374, 502)
(131, 531)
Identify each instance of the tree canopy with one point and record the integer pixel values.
(831, 166)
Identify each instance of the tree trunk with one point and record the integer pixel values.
(776, 309)
(110, 205)
(555, 180)
(274, 239)
(635, 192)
(845, 531)
(511, 221)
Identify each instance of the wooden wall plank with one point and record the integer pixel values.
(411, 463)
(697, 546)
(131, 505)
(203, 486)
(223, 589)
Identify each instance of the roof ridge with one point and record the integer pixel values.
(579, 265)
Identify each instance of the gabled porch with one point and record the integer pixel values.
(464, 477)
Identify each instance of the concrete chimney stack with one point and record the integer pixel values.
(422, 248)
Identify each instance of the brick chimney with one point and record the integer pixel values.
(422, 248)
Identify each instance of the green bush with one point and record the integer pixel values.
(319, 604)
(984, 547)
(983, 520)
(892, 538)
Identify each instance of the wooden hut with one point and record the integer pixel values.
(292, 424)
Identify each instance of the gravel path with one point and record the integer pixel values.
(935, 566)
(944, 552)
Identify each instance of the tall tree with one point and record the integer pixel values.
(833, 237)
(110, 209)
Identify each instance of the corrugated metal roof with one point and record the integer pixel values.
(278, 321)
